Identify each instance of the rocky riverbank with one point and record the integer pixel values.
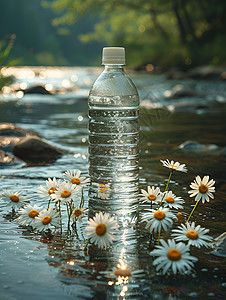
(23, 144)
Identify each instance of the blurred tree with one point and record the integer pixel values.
(40, 43)
(165, 32)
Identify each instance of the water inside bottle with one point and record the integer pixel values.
(113, 151)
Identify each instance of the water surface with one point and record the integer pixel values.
(35, 266)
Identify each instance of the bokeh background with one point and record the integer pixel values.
(164, 33)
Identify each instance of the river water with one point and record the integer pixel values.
(39, 266)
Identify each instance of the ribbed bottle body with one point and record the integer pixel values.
(113, 137)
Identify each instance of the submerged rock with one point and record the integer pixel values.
(180, 91)
(201, 72)
(34, 150)
(207, 72)
(26, 145)
(11, 134)
(9, 129)
(38, 89)
(219, 245)
(193, 146)
(176, 73)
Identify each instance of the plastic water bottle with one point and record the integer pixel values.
(113, 133)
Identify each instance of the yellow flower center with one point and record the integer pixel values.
(77, 212)
(14, 198)
(179, 216)
(174, 254)
(102, 191)
(203, 189)
(65, 194)
(123, 272)
(173, 166)
(101, 229)
(193, 235)
(169, 200)
(151, 197)
(33, 213)
(52, 190)
(159, 215)
(75, 181)
(46, 220)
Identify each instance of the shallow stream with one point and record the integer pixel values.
(39, 266)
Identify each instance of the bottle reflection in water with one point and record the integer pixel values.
(113, 134)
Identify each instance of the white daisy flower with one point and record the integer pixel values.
(103, 191)
(158, 219)
(101, 229)
(173, 256)
(51, 188)
(195, 235)
(202, 189)
(46, 218)
(65, 192)
(152, 195)
(174, 165)
(172, 201)
(14, 199)
(28, 214)
(78, 213)
(75, 178)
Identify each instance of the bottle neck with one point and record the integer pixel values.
(113, 67)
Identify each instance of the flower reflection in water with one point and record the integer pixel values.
(124, 280)
(122, 273)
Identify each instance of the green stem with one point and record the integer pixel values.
(61, 229)
(59, 209)
(74, 227)
(166, 188)
(109, 265)
(71, 206)
(82, 200)
(49, 203)
(87, 242)
(67, 209)
(69, 215)
(192, 211)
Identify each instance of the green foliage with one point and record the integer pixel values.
(5, 50)
(38, 42)
(168, 33)
(5, 80)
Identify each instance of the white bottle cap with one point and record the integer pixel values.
(113, 56)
